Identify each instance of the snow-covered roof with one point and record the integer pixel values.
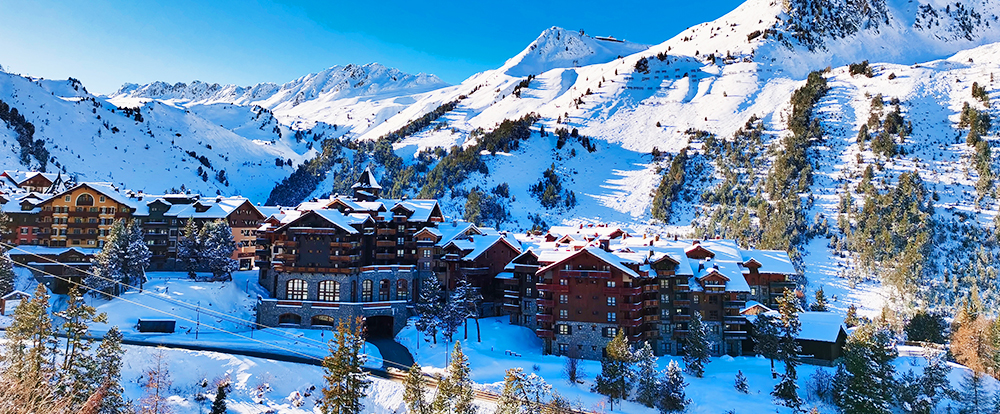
(771, 261)
(343, 221)
(602, 255)
(450, 231)
(505, 275)
(46, 250)
(367, 180)
(821, 326)
(19, 177)
(105, 189)
(219, 207)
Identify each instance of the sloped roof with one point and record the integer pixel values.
(367, 180)
(771, 261)
(105, 189)
(821, 326)
(604, 256)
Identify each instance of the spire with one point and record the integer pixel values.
(367, 188)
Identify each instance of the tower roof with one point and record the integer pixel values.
(367, 180)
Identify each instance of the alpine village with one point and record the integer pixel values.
(792, 208)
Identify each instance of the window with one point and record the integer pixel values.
(323, 320)
(527, 292)
(400, 252)
(563, 349)
(85, 200)
(102, 199)
(612, 317)
(664, 297)
(696, 298)
(568, 267)
(400, 240)
(296, 289)
(664, 283)
(563, 314)
(427, 253)
(402, 290)
(329, 291)
(366, 291)
(612, 301)
(383, 289)
(610, 332)
(289, 319)
(611, 283)
(68, 198)
(564, 282)
(563, 329)
(753, 291)
(563, 298)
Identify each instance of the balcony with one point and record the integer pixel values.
(344, 245)
(630, 307)
(544, 317)
(552, 288)
(651, 318)
(385, 256)
(285, 257)
(545, 303)
(386, 232)
(650, 288)
(545, 333)
(682, 302)
(385, 243)
(647, 335)
(740, 319)
(631, 323)
(597, 274)
(734, 304)
(475, 271)
(631, 291)
(680, 318)
(286, 243)
(652, 303)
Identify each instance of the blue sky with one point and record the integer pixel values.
(106, 43)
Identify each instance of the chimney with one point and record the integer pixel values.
(656, 238)
(701, 265)
(675, 237)
(605, 245)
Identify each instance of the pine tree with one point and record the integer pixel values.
(867, 378)
(455, 312)
(820, 304)
(79, 375)
(189, 248)
(648, 382)
(346, 381)
(615, 379)
(454, 394)
(522, 393)
(672, 397)
(218, 246)
(109, 363)
(122, 261)
(851, 320)
(786, 391)
(557, 405)
(765, 338)
(7, 275)
(974, 397)
(31, 342)
(696, 346)
(429, 308)
(219, 404)
(137, 255)
(157, 384)
(741, 383)
(415, 391)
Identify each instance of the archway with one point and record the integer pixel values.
(379, 327)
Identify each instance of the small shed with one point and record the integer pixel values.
(16, 295)
(823, 335)
(156, 325)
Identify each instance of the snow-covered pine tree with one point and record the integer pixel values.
(6, 272)
(108, 270)
(974, 396)
(851, 320)
(415, 391)
(820, 304)
(786, 391)
(109, 363)
(469, 296)
(30, 342)
(522, 393)
(867, 377)
(137, 255)
(454, 395)
(429, 308)
(346, 382)
(80, 374)
(616, 377)
(696, 347)
(741, 383)
(672, 398)
(189, 248)
(648, 381)
(454, 313)
(218, 244)
(765, 338)
(219, 404)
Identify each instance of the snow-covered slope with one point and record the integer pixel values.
(156, 148)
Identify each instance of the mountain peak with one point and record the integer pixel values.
(556, 47)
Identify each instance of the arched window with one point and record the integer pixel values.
(323, 320)
(329, 291)
(289, 319)
(296, 289)
(383, 289)
(402, 290)
(85, 200)
(366, 291)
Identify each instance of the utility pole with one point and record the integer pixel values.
(197, 325)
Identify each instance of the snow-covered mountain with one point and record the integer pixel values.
(353, 96)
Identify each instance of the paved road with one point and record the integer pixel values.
(393, 354)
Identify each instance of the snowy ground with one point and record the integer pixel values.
(507, 346)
